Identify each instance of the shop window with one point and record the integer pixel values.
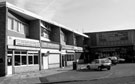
(17, 52)
(24, 60)
(70, 57)
(23, 52)
(35, 59)
(17, 60)
(30, 59)
(10, 52)
(9, 60)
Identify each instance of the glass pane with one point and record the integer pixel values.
(22, 28)
(10, 24)
(10, 52)
(24, 60)
(30, 59)
(19, 27)
(9, 60)
(26, 29)
(35, 59)
(23, 52)
(17, 52)
(15, 25)
(17, 60)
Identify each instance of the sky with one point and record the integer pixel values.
(84, 15)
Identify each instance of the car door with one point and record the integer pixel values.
(97, 62)
(94, 64)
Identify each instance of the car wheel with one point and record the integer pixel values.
(109, 68)
(88, 67)
(100, 68)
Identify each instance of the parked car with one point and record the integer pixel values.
(121, 60)
(100, 64)
(114, 59)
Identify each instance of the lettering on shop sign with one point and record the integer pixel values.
(67, 47)
(50, 45)
(19, 42)
(113, 36)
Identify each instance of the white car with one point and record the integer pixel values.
(100, 64)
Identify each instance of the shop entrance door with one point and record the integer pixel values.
(64, 61)
(45, 62)
(9, 65)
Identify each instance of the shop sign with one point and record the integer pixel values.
(27, 43)
(67, 47)
(78, 49)
(50, 45)
(70, 51)
(113, 36)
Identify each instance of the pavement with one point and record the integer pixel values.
(34, 76)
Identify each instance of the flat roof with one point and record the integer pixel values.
(133, 29)
(31, 16)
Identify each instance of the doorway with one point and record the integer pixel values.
(9, 65)
(45, 62)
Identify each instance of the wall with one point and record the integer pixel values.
(34, 29)
(26, 68)
(3, 41)
(116, 38)
(111, 38)
(55, 34)
(70, 38)
(79, 41)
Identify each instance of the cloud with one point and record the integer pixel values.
(53, 8)
(45, 8)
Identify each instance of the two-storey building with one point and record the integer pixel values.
(30, 43)
(120, 43)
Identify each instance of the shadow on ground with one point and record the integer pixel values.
(87, 70)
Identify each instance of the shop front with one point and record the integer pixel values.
(22, 55)
(79, 55)
(125, 52)
(67, 55)
(50, 55)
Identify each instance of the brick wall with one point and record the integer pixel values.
(21, 69)
(2, 41)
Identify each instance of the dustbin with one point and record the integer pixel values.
(74, 65)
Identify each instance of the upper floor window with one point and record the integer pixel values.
(10, 24)
(45, 30)
(45, 33)
(18, 26)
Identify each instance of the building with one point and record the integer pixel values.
(31, 43)
(120, 43)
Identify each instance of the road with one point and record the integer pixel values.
(119, 74)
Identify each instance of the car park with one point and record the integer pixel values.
(100, 64)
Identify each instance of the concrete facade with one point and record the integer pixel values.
(30, 43)
(112, 43)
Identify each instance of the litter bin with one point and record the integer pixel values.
(74, 65)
